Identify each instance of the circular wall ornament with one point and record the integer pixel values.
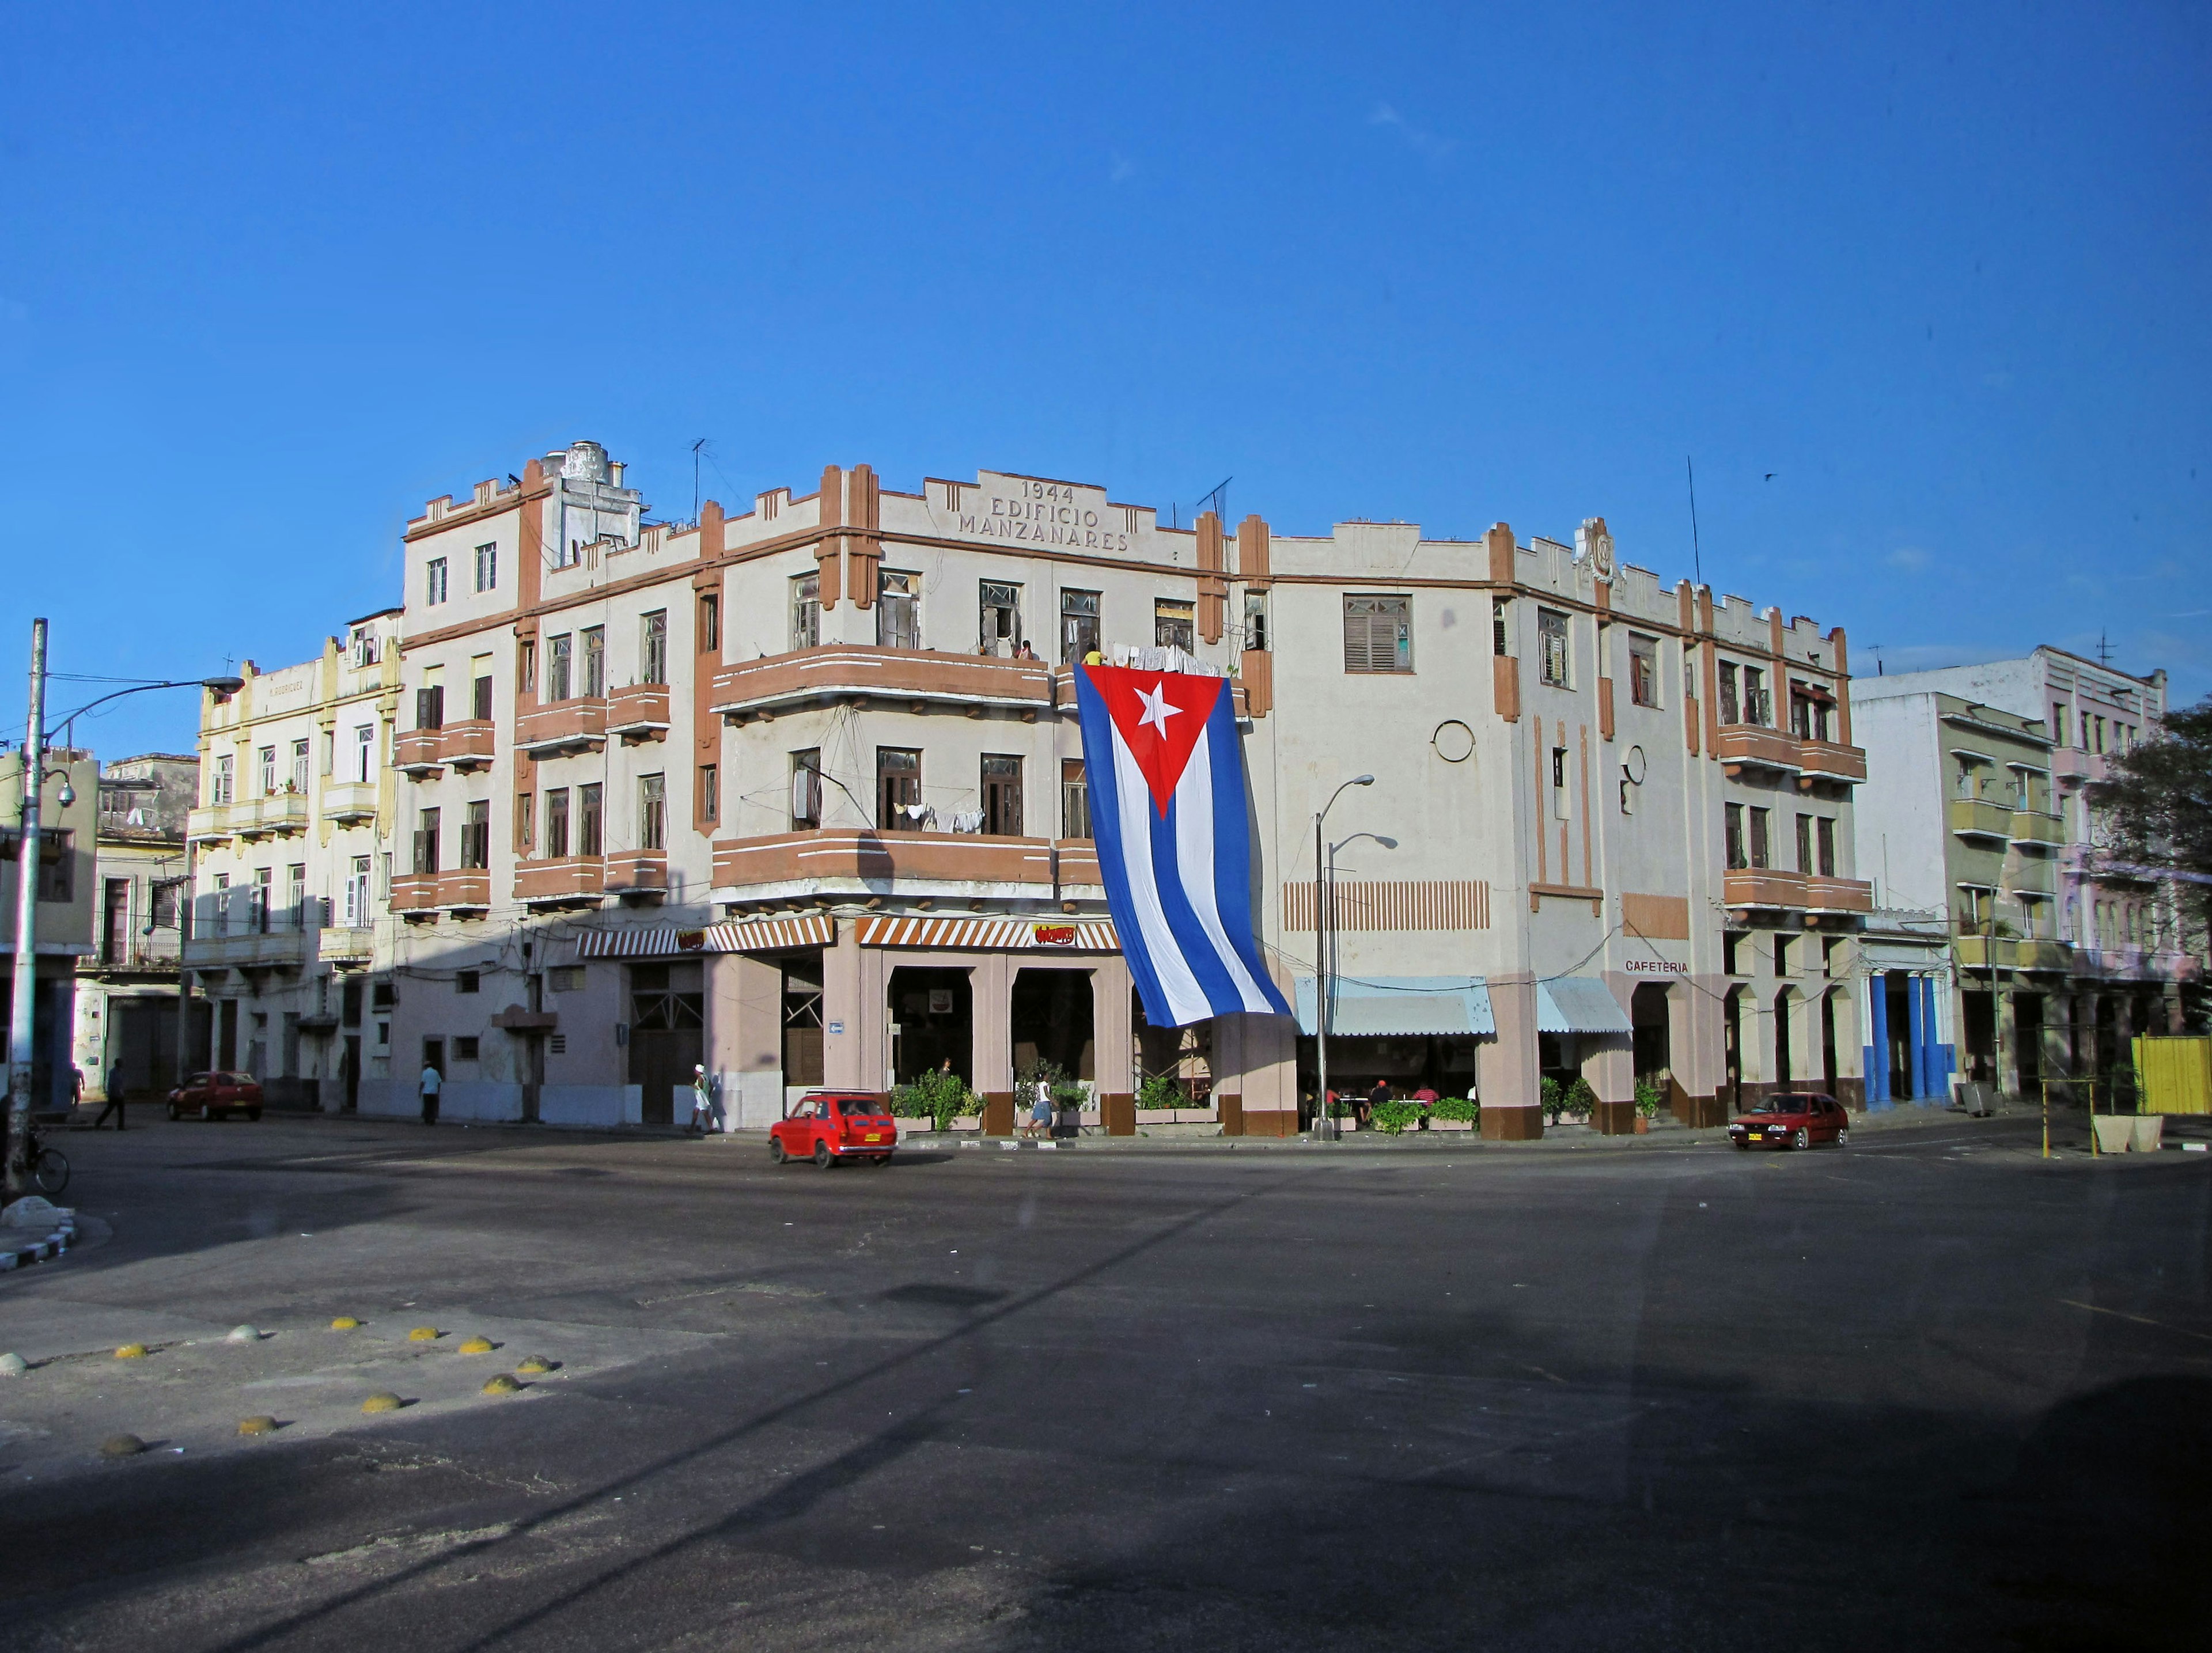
(1601, 556)
(1454, 741)
(1631, 765)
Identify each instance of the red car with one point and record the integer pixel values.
(828, 1126)
(1784, 1120)
(211, 1095)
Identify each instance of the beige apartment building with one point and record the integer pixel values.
(126, 987)
(798, 795)
(289, 847)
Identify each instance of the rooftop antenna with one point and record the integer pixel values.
(1220, 498)
(1876, 647)
(2104, 648)
(696, 447)
(1697, 555)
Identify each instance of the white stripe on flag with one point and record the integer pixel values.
(1133, 806)
(1193, 810)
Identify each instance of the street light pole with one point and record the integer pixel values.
(1324, 939)
(25, 979)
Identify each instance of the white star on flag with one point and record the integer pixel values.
(1157, 709)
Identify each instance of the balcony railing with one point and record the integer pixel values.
(464, 745)
(1979, 817)
(249, 817)
(2034, 826)
(878, 862)
(2045, 955)
(456, 889)
(637, 872)
(560, 880)
(563, 726)
(639, 711)
(1981, 953)
(1769, 887)
(917, 677)
(346, 802)
(1751, 746)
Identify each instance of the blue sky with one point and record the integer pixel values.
(270, 277)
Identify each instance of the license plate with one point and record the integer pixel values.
(872, 1137)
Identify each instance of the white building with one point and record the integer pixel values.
(126, 987)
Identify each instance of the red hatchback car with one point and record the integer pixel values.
(828, 1126)
(1787, 1121)
(211, 1095)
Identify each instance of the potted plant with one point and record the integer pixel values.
(1553, 1096)
(1647, 1105)
(1159, 1096)
(1394, 1118)
(1455, 1114)
(941, 1100)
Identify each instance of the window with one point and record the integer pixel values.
(998, 618)
(356, 897)
(1256, 619)
(568, 978)
(267, 771)
(221, 901)
(1782, 955)
(480, 696)
(1643, 670)
(433, 584)
(1809, 712)
(1074, 799)
(2035, 917)
(1551, 647)
(295, 894)
(525, 668)
(524, 820)
(467, 981)
(898, 787)
(595, 661)
(2058, 723)
(360, 648)
(1560, 804)
(1730, 708)
(1734, 816)
(591, 840)
(1501, 629)
(1378, 634)
(1079, 627)
(465, 1046)
(710, 791)
(1976, 905)
(476, 835)
(806, 611)
(329, 752)
(298, 781)
(219, 784)
(1002, 796)
(431, 706)
(1804, 844)
(556, 666)
(805, 789)
(1732, 953)
(1755, 707)
(2097, 736)
(264, 889)
(898, 610)
(653, 811)
(167, 895)
(1825, 829)
(556, 823)
(1762, 837)
(1173, 625)
(710, 622)
(426, 842)
(653, 647)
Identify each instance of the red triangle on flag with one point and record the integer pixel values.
(1159, 715)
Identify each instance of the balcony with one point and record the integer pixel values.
(348, 802)
(637, 873)
(2056, 957)
(1831, 760)
(561, 881)
(844, 860)
(638, 713)
(2033, 875)
(213, 823)
(464, 745)
(565, 725)
(414, 893)
(345, 946)
(916, 677)
(1801, 892)
(1753, 746)
(1981, 953)
(456, 890)
(2034, 827)
(1979, 817)
(249, 817)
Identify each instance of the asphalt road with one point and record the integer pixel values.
(1926, 1391)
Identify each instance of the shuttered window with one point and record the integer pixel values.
(1378, 634)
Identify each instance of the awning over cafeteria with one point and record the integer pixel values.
(1377, 1005)
(1579, 1004)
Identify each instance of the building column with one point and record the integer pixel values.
(1112, 1063)
(1697, 1039)
(1507, 1066)
(1877, 1060)
(2006, 1008)
(1611, 1070)
(1917, 1042)
(1267, 1073)
(856, 1051)
(744, 1040)
(990, 1000)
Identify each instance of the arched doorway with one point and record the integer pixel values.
(1784, 1003)
(1649, 1015)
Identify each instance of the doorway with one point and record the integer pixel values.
(1828, 1042)
(1782, 1031)
(667, 1034)
(2028, 1053)
(1732, 1028)
(1652, 1039)
(932, 1023)
(1049, 1020)
(350, 1068)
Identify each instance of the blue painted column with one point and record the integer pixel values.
(1916, 1037)
(1937, 1090)
(1877, 1066)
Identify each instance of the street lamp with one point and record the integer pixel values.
(1324, 929)
(25, 978)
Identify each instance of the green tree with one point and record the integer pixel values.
(2156, 802)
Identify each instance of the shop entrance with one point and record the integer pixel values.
(1653, 1037)
(932, 1023)
(1049, 1020)
(667, 1034)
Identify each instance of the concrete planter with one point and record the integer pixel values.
(1642, 1125)
(1451, 1124)
(2114, 1135)
(966, 1122)
(2148, 1133)
(1156, 1116)
(1193, 1116)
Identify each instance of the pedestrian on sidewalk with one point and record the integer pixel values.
(702, 1106)
(114, 1098)
(432, 1082)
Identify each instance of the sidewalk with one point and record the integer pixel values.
(33, 1230)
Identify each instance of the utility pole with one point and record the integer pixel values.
(25, 984)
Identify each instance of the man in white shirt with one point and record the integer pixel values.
(431, 1081)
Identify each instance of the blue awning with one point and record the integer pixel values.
(1579, 1004)
(1374, 1006)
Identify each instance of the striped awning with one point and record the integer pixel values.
(966, 934)
(1579, 1004)
(1385, 1006)
(759, 935)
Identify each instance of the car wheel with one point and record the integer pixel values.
(823, 1157)
(253, 1113)
(206, 1113)
(775, 1154)
(1743, 1147)
(175, 1114)
(1801, 1138)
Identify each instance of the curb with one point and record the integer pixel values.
(40, 1251)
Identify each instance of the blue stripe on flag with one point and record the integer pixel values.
(1196, 946)
(1232, 850)
(1097, 726)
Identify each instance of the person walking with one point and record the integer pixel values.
(431, 1082)
(702, 1106)
(114, 1098)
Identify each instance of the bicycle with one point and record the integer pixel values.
(50, 1169)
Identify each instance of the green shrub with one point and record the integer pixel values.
(1648, 1098)
(1392, 1118)
(1466, 1107)
(1581, 1099)
(1159, 1091)
(1554, 1098)
(937, 1096)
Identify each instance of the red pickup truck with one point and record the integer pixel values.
(828, 1126)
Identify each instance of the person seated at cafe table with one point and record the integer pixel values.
(1426, 1095)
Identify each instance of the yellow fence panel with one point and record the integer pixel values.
(2173, 1075)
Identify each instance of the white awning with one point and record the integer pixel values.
(1377, 1006)
(1579, 1004)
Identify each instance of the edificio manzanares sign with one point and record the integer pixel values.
(1047, 514)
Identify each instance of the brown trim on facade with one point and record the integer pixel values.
(1581, 741)
(1213, 588)
(1605, 707)
(1255, 669)
(1505, 686)
(830, 548)
(1656, 918)
(1405, 904)
(1252, 547)
(1543, 813)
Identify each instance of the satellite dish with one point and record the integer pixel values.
(1632, 766)
(1454, 741)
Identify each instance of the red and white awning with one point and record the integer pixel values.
(667, 941)
(974, 934)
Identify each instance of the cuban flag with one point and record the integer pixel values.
(1167, 811)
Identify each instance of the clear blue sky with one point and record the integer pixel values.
(270, 277)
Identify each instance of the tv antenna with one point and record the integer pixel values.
(695, 448)
(1220, 497)
(2104, 648)
(1697, 555)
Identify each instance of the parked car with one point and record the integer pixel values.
(1791, 1121)
(828, 1126)
(212, 1096)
